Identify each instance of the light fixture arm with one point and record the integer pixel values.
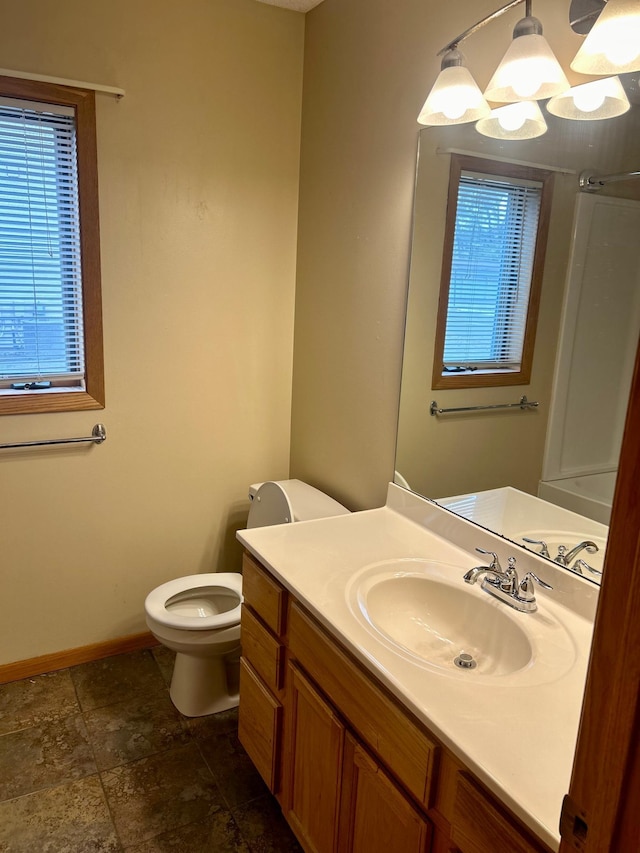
(475, 27)
(584, 12)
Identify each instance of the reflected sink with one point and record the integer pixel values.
(568, 538)
(424, 611)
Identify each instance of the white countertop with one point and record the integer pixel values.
(515, 733)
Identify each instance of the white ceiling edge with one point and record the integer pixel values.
(296, 5)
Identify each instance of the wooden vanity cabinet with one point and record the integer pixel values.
(261, 710)
(353, 771)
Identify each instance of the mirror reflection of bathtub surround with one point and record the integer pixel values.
(587, 333)
(598, 339)
(590, 495)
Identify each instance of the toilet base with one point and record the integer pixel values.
(200, 685)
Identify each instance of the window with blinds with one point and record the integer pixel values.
(41, 330)
(46, 282)
(494, 250)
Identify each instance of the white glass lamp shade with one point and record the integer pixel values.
(522, 120)
(613, 45)
(454, 99)
(529, 71)
(591, 101)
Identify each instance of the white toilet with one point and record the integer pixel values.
(198, 616)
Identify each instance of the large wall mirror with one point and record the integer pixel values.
(547, 472)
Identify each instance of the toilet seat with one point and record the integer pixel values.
(168, 603)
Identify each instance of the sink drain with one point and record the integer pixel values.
(465, 661)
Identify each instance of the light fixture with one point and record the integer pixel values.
(613, 45)
(522, 120)
(599, 99)
(455, 97)
(530, 72)
(529, 69)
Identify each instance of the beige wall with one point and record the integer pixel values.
(359, 142)
(198, 170)
(368, 67)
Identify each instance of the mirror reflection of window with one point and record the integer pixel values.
(495, 241)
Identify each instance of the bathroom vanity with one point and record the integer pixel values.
(372, 742)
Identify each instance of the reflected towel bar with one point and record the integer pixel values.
(523, 405)
(98, 435)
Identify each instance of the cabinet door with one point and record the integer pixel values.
(259, 724)
(314, 761)
(376, 816)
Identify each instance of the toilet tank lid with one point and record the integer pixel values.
(306, 501)
(253, 490)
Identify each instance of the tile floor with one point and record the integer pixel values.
(95, 759)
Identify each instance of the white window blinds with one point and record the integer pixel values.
(491, 268)
(41, 328)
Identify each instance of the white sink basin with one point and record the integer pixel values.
(425, 611)
(438, 621)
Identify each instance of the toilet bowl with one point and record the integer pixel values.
(198, 616)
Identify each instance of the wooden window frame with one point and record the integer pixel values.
(92, 396)
(460, 163)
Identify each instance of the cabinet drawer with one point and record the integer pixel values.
(479, 824)
(379, 722)
(262, 650)
(265, 595)
(259, 725)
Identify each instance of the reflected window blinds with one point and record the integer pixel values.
(491, 270)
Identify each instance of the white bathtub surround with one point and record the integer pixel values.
(590, 495)
(318, 560)
(595, 358)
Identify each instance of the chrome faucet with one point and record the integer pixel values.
(494, 568)
(504, 585)
(565, 557)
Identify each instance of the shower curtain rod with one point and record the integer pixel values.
(595, 182)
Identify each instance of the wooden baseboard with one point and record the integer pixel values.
(71, 657)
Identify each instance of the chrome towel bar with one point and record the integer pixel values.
(98, 435)
(523, 404)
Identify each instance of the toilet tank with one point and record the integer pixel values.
(286, 501)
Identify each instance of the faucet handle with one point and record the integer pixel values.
(495, 562)
(562, 550)
(525, 590)
(510, 581)
(581, 564)
(544, 550)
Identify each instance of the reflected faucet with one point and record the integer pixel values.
(544, 550)
(579, 565)
(565, 557)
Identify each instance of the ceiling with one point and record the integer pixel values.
(296, 5)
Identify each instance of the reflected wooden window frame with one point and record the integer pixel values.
(460, 163)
